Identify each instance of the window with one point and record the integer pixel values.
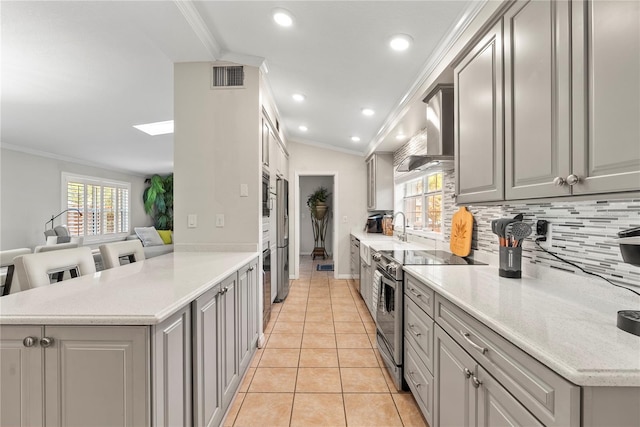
(97, 207)
(422, 202)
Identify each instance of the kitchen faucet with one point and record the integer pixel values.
(403, 237)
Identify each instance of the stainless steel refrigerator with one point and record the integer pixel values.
(282, 234)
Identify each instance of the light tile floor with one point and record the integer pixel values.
(320, 366)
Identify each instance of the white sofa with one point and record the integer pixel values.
(152, 251)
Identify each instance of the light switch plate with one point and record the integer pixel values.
(192, 221)
(244, 190)
(220, 220)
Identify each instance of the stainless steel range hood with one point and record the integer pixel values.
(439, 133)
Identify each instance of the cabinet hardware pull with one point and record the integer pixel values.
(466, 336)
(572, 180)
(559, 181)
(413, 291)
(476, 382)
(416, 383)
(30, 341)
(250, 268)
(413, 329)
(467, 373)
(46, 342)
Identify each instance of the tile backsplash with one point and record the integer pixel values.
(580, 230)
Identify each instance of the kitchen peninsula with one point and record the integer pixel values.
(163, 341)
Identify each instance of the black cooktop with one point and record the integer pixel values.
(434, 257)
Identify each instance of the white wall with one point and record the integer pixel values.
(31, 191)
(216, 149)
(308, 184)
(349, 195)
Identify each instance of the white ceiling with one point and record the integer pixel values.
(76, 76)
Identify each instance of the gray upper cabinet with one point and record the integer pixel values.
(479, 143)
(537, 98)
(606, 101)
(380, 182)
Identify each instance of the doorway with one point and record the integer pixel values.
(306, 183)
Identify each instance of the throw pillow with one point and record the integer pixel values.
(166, 236)
(149, 236)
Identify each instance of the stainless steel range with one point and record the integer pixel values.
(389, 312)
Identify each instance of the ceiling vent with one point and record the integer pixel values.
(228, 76)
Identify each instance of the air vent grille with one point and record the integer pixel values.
(229, 76)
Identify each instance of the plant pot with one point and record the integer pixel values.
(321, 211)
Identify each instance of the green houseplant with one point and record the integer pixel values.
(317, 202)
(158, 201)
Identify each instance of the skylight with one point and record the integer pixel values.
(157, 128)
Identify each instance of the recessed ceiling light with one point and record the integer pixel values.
(157, 128)
(283, 17)
(298, 97)
(355, 138)
(400, 137)
(400, 42)
(303, 128)
(368, 112)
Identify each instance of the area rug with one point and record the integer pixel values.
(325, 267)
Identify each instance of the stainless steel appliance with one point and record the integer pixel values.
(389, 311)
(266, 211)
(266, 285)
(282, 234)
(374, 224)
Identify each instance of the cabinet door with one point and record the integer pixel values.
(265, 143)
(254, 306)
(496, 407)
(207, 397)
(97, 376)
(244, 328)
(21, 371)
(479, 143)
(229, 333)
(455, 397)
(172, 370)
(371, 183)
(606, 105)
(537, 98)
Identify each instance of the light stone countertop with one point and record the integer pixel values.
(565, 321)
(142, 293)
(380, 242)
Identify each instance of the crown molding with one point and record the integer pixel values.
(328, 147)
(200, 28)
(417, 88)
(67, 159)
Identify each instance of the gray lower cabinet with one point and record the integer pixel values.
(52, 378)
(478, 131)
(171, 353)
(229, 354)
(207, 394)
(466, 395)
(366, 285)
(247, 312)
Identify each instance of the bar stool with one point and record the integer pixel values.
(35, 270)
(6, 260)
(112, 252)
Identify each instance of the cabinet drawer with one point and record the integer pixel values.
(551, 398)
(420, 293)
(420, 381)
(418, 329)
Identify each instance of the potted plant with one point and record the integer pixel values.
(317, 202)
(158, 201)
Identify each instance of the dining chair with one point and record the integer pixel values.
(113, 252)
(11, 282)
(35, 270)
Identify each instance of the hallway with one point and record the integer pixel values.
(320, 365)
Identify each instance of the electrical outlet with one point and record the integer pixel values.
(220, 220)
(345, 219)
(544, 229)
